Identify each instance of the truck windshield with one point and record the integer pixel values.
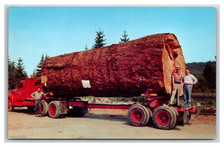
(20, 85)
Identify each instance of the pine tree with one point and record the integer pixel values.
(86, 47)
(12, 72)
(99, 40)
(209, 74)
(16, 73)
(46, 56)
(125, 37)
(39, 66)
(21, 74)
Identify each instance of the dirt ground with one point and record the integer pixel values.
(102, 124)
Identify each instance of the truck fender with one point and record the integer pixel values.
(11, 97)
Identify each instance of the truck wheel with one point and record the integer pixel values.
(44, 108)
(150, 115)
(188, 117)
(138, 115)
(10, 107)
(176, 113)
(164, 118)
(54, 109)
(30, 108)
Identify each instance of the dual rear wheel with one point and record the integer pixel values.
(139, 115)
(163, 117)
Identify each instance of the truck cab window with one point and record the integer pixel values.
(20, 85)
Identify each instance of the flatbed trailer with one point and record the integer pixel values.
(152, 108)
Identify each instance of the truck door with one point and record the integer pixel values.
(20, 94)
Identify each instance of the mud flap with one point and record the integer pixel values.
(186, 113)
(198, 110)
(63, 108)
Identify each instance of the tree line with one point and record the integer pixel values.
(16, 71)
(205, 72)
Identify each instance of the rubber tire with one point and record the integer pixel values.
(10, 107)
(79, 112)
(150, 116)
(175, 116)
(45, 107)
(176, 113)
(181, 122)
(188, 117)
(144, 111)
(57, 109)
(30, 108)
(172, 121)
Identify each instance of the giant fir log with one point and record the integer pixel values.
(125, 69)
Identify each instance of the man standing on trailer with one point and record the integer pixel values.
(189, 80)
(38, 96)
(176, 86)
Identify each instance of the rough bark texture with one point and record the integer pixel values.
(125, 69)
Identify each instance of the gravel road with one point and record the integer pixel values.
(102, 124)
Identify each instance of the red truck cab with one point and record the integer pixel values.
(21, 97)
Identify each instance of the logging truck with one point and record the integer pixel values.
(138, 67)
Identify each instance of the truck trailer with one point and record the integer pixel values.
(140, 67)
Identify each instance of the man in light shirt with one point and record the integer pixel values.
(189, 80)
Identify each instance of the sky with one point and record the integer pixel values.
(33, 31)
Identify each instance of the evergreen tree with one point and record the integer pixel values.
(12, 72)
(209, 74)
(21, 74)
(39, 66)
(99, 40)
(86, 47)
(16, 73)
(124, 37)
(46, 57)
